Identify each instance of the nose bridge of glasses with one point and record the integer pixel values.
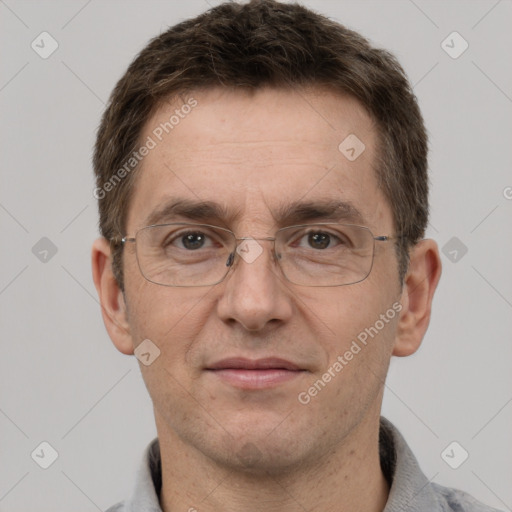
(248, 251)
(266, 238)
(239, 241)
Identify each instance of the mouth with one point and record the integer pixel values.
(255, 374)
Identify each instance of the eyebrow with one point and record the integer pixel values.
(327, 210)
(189, 209)
(321, 210)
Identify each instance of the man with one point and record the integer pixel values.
(262, 186)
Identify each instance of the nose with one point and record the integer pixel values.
(254, 294)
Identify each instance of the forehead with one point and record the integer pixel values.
(254, 153)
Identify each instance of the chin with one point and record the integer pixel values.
(263, 458)
(264, 446)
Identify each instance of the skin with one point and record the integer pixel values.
(225, 448)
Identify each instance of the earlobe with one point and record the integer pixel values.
(113, 307)
(418, 292)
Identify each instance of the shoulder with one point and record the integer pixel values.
(409, 487)
(459, 501)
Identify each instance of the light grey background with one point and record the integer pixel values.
(62, 381)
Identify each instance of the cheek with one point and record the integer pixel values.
(358, 353)
(355, 327)
(170, 317)
(173, 320)
(343, 312)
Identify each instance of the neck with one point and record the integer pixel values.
(348, 479)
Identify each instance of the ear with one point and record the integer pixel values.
(113, 307)
(420, 284)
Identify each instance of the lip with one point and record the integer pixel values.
(255, 373)
(242, 363)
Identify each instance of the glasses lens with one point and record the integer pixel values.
(325, 254)
(184, 254)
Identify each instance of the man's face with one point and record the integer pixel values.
(254, 156)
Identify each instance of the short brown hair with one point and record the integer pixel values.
(257, 44)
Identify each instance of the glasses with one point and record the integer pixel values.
(184, 254)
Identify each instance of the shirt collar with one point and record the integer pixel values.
(410, 490)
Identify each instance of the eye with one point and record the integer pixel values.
(319, 240)
(193, 241)
(190, 240)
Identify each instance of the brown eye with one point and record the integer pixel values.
(319, 240)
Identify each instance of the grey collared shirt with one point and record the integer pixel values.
(410, 490)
